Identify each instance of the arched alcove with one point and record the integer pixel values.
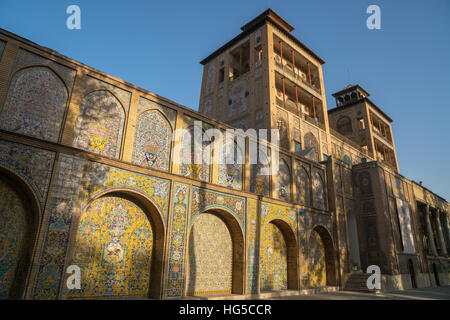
(19, 222)
(118, 244)
(100, 123)
(215, 254)
(322, 239)
(278, 257)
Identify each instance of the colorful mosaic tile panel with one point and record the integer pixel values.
(302, 184)
(252, 246)
(152, 141)
(27, 59)
(194, 164)
(35, 104)
(238, 97)
(317, 276)
(210, 257)
(271, 211)
(32, 164)
(318, 190)
(348, 183)
(101, 178)
(13, 227)
(203, 199)
(210, 78)
(145, 104)
(177, 241)
(310, 142)
(230, 175)
(307, 222)
(93, 84)
(284, 181)
(99, 126)
(273, 262)
(260, 183)
(208, 108)
(113, 248)
(58, 219)
(241, 123)
(337, 178)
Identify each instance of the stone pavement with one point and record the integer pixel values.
(433, 293)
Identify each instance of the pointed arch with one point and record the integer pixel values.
(344, 125)
(125, 258)
(303, 184)
(321, 258)
(195, 165)
(279, 256)
(230, 174)
(152, 141)
(284, 181)
(259, 181)
(99, 126)
(311, 143)
(221, 250)
(19, 223)
(319, 191)
(35, 103)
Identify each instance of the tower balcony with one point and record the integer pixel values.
(296, 67)
(298, 101)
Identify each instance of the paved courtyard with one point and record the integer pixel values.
(434, 293)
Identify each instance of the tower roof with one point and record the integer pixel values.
(268, 16)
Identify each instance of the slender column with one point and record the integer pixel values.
(281, 54)
(293, 62)
(430, 231)
(309, 73)
(441, 240)
(314, 107)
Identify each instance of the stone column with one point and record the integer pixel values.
(430, 232)
(440, 234)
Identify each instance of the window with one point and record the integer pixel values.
(221, 75)
(258, 56)
(361, 124)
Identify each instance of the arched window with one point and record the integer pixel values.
(344, 125)
(152, 141)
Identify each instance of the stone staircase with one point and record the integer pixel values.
(358, 282)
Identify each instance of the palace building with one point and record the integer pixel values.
(90, 178)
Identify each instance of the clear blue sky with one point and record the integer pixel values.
(157, 45)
